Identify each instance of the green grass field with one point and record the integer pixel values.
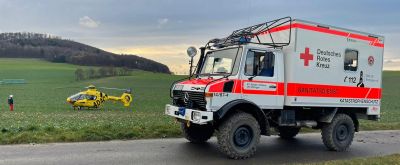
(387, 160)
(42, 114)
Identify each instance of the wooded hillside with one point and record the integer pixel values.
(56, 49)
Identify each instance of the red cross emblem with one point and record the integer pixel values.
(306, 56)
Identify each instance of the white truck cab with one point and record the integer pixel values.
(279, 76)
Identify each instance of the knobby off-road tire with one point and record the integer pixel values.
(238, 136)
(338, 135)
(288, 132)
(197, 133)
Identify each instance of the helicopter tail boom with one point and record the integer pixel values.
(125, 98)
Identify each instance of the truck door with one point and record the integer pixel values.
(259, 79)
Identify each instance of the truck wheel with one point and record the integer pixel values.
(338, 135)
(288, 132)
(238, 136)
(197, 133)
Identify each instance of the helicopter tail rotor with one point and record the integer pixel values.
(126, 99)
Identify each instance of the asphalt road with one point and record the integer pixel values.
(271, 150)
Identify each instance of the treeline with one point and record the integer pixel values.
(26, 35)
(55, 49)
(92, 73)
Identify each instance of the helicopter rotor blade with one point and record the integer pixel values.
(121, 89)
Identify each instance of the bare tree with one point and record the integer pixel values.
(79, 74)
(91, 73)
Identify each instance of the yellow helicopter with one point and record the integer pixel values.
(92, 98)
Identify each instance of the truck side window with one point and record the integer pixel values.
(259, 64)
(351, 60)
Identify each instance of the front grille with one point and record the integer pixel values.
(196, 99)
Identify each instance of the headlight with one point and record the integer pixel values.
(196, 116)
(167, 108)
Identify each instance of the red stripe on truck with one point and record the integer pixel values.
(316, 90)
(373, 41)
(197, 81)
(295, 89)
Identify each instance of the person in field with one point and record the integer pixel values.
(11, 102)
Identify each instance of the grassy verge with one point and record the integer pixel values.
(390, 159)
(38, 127)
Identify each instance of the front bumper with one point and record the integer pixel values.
(195, 116)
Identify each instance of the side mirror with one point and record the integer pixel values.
(191, 51)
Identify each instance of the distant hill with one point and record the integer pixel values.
(56, 49)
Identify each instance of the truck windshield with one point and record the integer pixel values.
(222, 62)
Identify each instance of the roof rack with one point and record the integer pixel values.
(246, 35)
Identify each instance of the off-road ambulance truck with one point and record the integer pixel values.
(276, 77)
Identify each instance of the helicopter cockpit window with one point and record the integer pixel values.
(91, 97)
(75, 96)
(87, 97)
(81, 97)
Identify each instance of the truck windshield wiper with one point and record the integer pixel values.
(210, 74)
(220, 73)
(251, 78)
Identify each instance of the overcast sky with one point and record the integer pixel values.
(162, 30)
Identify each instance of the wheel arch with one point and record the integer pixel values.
(244, 106)
(352, 112)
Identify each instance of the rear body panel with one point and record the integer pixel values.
(314, 67)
